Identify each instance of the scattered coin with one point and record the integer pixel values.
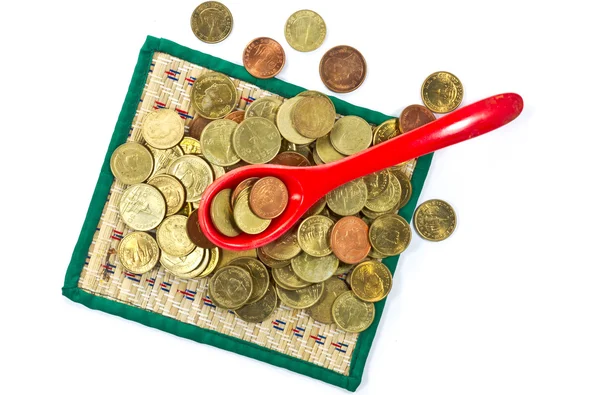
(211, 22)
(435, 220)
(305, 30)
(350, 239)
(142, 207)
(352, 314)
(131, 163)
(371, 281)
(268, 197)
(172, 190)
(442, 92)
(264, 57)
(415, 116)
(214, 95)
(162, 128)
(321, 311)
(343, 69)
(389, 234)
(138, 252)
(230, 287)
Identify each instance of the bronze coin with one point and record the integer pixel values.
(268, 197)
(195, 233)
(197, 126)
(247, 183)
(290, 158)
(236, 116)
(343, 69)
(350, 239)
(414, 116)
(264, 57)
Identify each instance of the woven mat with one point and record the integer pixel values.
(290, 338)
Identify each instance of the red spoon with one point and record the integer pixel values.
(306, 185)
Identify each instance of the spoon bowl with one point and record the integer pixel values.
(306, 185)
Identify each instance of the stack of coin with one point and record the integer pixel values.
(343, 235)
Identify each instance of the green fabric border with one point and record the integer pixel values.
(105, 179)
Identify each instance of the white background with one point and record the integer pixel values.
(509, 304)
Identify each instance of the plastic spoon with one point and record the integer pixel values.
(306, 185)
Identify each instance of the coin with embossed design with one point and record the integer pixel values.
(194, 173)
(131, 163)
(259, 274)
(352, 314)
(389, 234)
(290, 158)
(198, 270)
(264, 107)
(214, 95)
(300, 298)
(261, 309)
(183, 264)
(215, 255)
(385, 131)
(350, 239)
(377, 183)
(387, 199)
(142, 207)
(351, 134)
(221, 214)
(268, 197)
(435, 220)
(138, 252)
(286, 278)
(270, 262)
(405, 185)
(313, 116)
(211, 22)
(313, 235)
(256, 140)
(190, 145)
(305, 30)
(172, 190)
(442, 92)
(230, 287)
(321, 311)
(285, 124)
(349, 198)
(247, 183)
(325, 150)
(245, 219)
(163, 158)
(371, 281)
(216, 142)
(415, 116)
(314, 269)
(263, 57)
(162, 128)
(285, 247)
(172, 237)
(343, 69)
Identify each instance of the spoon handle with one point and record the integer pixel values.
(463, 124)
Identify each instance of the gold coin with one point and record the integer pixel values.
(300, 298)
(190, 145)
(352, 314)
(216, 142)
(316, 208)
(314, 269)
(387, 130)
(321, 311)
(376, 255)
(309, 93)
(270, 262)
(351, 135)
(229, 255)
(349, 198)
(162, 128)
(214, 95)
(305, 30)
(442, 92)
(230, 287)
(313, 117)
(286, 278)
(172, 190)
(264, 107)
(344, 268)
(435, 220)
(327, 153)
(215, 254)
(259, 274)
(389, 234)
(377, 183)
(197, 272)
(371, 281)
(138, 252)
(285, 247)
(244, 218)
(256, 140)
(163, 158)
(142, 207)
(405, 185)
(172, 237)
(131, 163)
(211, 22)
(218, 171)
(221, 214)
(261, 309)
(387, 199)
(183, 264)
(194, 173)
(313, 235)
(285, 124)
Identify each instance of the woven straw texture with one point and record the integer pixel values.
(288, 331)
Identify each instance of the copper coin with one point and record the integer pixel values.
(236, 116)
(343, 69)
(247, 183)
(195, 233)
(414, 116)
(268, 197)
(197, 126)
(290, 158)
(350, 239)
(264, 57)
